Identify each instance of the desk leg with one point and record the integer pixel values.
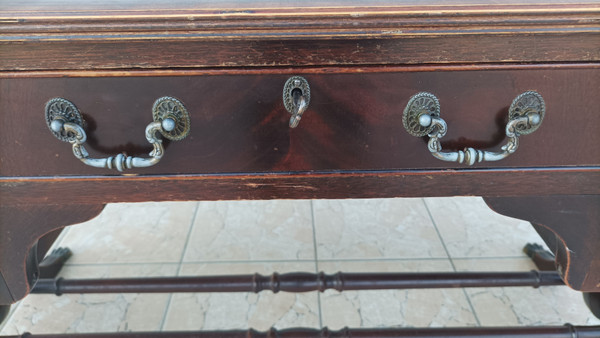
(20, 229)
(574, 223)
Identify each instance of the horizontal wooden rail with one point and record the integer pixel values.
(299, 282)
(566, 331)
(257, 186)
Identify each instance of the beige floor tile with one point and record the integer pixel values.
(346, 232)
(132, 232)
(470, 229)
(494, 264)
(74, 313)
(404, 308)
(550, 305)
(213, 311)
(251, 230)
(375, 228)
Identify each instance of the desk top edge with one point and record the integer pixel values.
(274, 7)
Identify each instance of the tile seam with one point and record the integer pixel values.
(316, 260)
(179, 265)
(451, 261)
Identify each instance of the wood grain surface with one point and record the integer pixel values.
(20, 228)
(575, 221)
(354, 121)
(43, 7)
(413, 183)
(46, 35)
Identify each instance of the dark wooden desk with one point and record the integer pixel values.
(228, 65)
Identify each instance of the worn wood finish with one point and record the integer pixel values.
(413, 183)
(575, 221)
(354, 121)
(20, 229)
(291, 70)
(43, 8)
(160, 34)
(126, 54)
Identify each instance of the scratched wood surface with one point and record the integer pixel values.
(409, 183)
(46, 35)
(20, 228)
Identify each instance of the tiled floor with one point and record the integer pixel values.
(198, 238)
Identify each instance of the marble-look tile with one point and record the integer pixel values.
(251, 230)
(73, 313)
(375, 228)
(494, 264)
(132, 232)
(510, 306)
(470, 229)
(394, 308)
(218, 311)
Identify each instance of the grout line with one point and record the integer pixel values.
(119, 264)
(253, 261)
(314, 231)
(196, 262)
(187, 241)
(390, 259)
(439, 236)
(491, 257)
(451, 262)
(400, 259)
(167, 308)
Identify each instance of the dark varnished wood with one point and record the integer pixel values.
(291, 70)
(354, 121)
(43, 8)
(298, 282)
(20, 229)
(575, 221)
(417, 183)
(159, 34)
(542, 258)
(117, 54)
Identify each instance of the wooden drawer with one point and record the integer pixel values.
(354, 119)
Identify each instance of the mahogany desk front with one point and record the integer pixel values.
(363, 62)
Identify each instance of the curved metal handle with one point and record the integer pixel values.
(422, 117)
(296, 96)
(171, 119)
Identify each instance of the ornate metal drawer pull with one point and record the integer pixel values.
(422, 117)
(296, 96)
(170, 118)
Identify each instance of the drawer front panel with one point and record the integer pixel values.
(353, 122)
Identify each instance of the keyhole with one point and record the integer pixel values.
(296, 95)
